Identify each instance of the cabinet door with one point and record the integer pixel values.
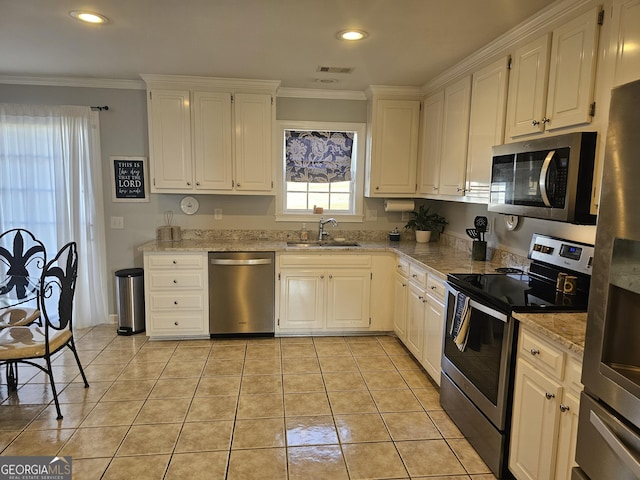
(486, 124)
(572, 72)
(626, 29)
(394, 153)
(534, 430)
(528, 87)
(302, 296)
(415, 320)
(431, 143)
(348, 295)
(170, 140)
(400, 291)
(455, 136)
(434, 328)
(567, 436)
(253, 142)
(212, 140)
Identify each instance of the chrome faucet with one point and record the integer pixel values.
(321, 232)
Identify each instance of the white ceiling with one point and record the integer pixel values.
(410, 41)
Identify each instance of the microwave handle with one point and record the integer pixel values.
(543, 177)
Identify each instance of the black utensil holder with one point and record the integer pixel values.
(478, 250)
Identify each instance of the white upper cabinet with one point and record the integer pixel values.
(552, 78)
(392, 141)
(455, 132)
(626, 41)
(210, 135)
(431, 143)
(486, 124)
(444, 140)
(170, 140)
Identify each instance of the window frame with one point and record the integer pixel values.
(357, 169)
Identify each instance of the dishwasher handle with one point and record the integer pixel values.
(250, 261)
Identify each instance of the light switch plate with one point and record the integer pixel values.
(117, 223)
(217, 214)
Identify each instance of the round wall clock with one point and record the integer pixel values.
(189, 205)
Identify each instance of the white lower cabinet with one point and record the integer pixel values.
(545, 409)
(419, 314)
(323, 293)
(176, 295)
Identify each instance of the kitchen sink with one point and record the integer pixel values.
(323, 243)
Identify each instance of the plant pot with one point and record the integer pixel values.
(423, 236)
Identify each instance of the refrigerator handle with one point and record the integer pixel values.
(616, 445)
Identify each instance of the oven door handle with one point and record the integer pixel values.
(544, 171)
(479, 306)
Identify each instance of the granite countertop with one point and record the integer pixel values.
(568, 329)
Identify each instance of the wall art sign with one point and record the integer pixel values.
(129, 179)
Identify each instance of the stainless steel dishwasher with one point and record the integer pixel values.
(241, 293)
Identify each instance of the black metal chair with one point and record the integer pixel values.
(22, 260)
(25, 344)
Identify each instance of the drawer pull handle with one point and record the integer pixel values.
(549, 396)
(535, 351)
(564, 408)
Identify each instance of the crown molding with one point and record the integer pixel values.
(200, 82)
(320, 93)
(394, 91)
(538, 24)
(72, 82)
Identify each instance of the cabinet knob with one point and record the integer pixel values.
(459, 189)
(197, 184)
(321, 276)
(545, 120)
(188, 184)
(420, 297)
(564, 408)
(175, 262)
(414, 275)
(404, 285)
(549, 395)
(330, 277)
(535, 123)
(433, 287)
(175, 281)
(435, 189)
(237, 184)
(175, 323)
(175, 302)
(534, 351)
(377, 188)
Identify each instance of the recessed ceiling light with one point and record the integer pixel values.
(352, 35)
(89, 17)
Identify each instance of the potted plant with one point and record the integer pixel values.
(423, 223)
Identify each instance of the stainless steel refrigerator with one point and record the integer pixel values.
(608, 445)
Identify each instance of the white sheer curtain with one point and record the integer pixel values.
(50, 184)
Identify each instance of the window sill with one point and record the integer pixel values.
(311, 218)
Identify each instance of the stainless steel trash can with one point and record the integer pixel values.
(130, 295)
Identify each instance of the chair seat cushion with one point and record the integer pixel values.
(14, 317)
(29, 342)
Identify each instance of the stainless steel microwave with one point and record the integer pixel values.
(549, 178)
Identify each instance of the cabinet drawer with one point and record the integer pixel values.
(402, 267)
(177, 324)
(176, 302)
(436, 287)
(418, 275)
(176, 280)
(314, 260)
(176, 261)
(542, 354)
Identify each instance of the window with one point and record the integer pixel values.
(321, 165)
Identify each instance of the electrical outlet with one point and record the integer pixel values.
(117, 223)
(217, 214)
(490, 225)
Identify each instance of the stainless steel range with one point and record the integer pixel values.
(480, 336)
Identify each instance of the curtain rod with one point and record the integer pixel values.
(106, 107)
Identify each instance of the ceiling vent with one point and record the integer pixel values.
(335, 69)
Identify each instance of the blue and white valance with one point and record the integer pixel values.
(318, 157)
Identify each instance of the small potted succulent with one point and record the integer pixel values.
(423, 223)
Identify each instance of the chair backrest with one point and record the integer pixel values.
(58, 287)
(22, 259)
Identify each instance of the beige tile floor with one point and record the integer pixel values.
(277, 408)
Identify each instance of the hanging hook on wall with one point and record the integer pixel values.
(106, 107)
